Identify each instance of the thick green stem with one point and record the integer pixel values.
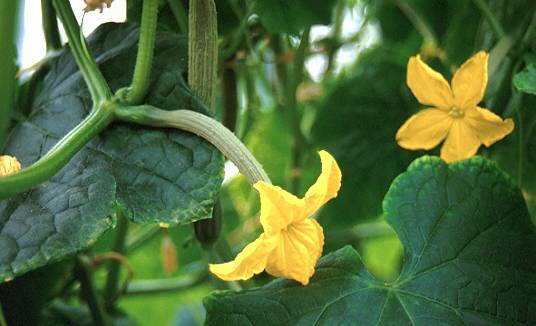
(50, 26)
(8, 21)
(203, 126)
(114, 267)
(83, 271)
(490, 17)
(180, 14)
(203, 49)
(90, 71)
(144, 59)
(59, 155)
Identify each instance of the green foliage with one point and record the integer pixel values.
(452, 244)
(357, 122)
(282, 16)
(470, 253)
(158, 176)
(525, 81)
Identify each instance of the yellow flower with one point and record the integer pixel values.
(454, 115)
(8, 165)
(292, 241)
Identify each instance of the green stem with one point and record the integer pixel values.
(114, 267)
(299, 141)
(50, 26)
(3, 321)
(144, 59)
(158, 286)
(240, 34)
(8, 22)
(203, 126)
(59, 155)
(490, 17)
(203, 49)
(180, 14)
(140, 237)
(90, 71)
(417, 21)
(83, 271)
(521, 145)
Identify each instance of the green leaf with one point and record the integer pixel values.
(525, 81)
(159, 176)
(357, 123)
(470, 259)
(283, 16)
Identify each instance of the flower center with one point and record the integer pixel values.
(456, 112)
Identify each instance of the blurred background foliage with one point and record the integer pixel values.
(296, 77)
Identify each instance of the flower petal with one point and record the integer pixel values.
(428, 86)
(278, 207)
(8, 165)
(461, 142)
(325, 188)
(250, 261)
(470, 80)
(424, 130)
(488, 126)
(299, 249)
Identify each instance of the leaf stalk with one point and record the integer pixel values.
(144, 58)
(90, 71)
(203, 126)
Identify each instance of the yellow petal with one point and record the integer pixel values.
(8, 165)
(428, 86)
(469, 82)
(488, 126)
(250, 261)
(424, 130)
(299, 249)
(278, 207)
(325, 188)
(461, 142)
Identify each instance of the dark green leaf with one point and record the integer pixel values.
(283, 16)
(470, 259)
(357, 123)
(525, 81)
(158, 176)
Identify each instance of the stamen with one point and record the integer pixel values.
(456, 112)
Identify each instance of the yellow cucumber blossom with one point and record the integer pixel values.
(97, 4)
(454, 115)
(292, 241)
(8, 165)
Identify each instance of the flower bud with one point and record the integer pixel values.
(8, 165)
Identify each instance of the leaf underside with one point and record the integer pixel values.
(158, 176)
(470, 259)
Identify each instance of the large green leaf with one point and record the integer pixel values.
(470, 259)
(158, 176)
(283, 16)
(357, 123)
